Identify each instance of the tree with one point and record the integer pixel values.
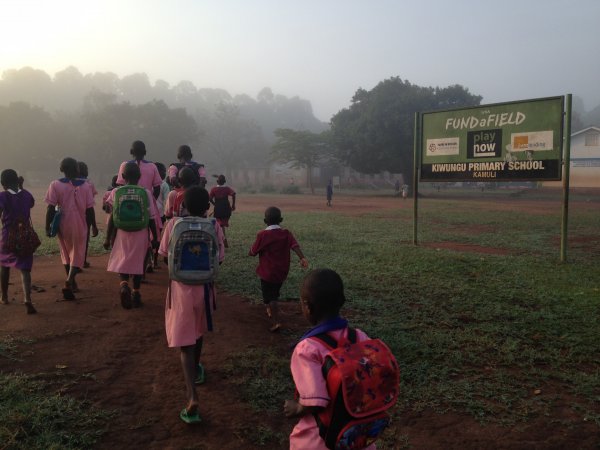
(376, 132)
(302, 149)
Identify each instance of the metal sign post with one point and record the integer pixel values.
(566, 172)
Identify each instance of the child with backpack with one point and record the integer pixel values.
(133, 214)
(184, 155)
(273, 245)
(174, 207)
(345, 382)
(193, 248)
(18, 241)
(72, 200)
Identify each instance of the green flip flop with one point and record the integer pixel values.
(190, 418)
(200, 376)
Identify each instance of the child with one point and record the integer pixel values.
(15, 203)
(160, 201)
(76, 202)
(83, 175)
(219, 197)
(174, 207)
(321, 297)
(129, 248)
(184, 155)
(185, 312)
(273, 246)
(329, 192)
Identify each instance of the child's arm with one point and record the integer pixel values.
(255, 249)
(152, 225)
(292, 408)
(303, 260)
(233, 201)
(110, 229)
(50, 212)
(90, 218)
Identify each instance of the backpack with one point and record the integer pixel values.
(21, 238)
(193, 255)
(195, 168)
(363, 384)
(131, 208)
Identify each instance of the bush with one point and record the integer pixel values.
(291, 189)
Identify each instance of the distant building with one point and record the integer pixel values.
(585, 159)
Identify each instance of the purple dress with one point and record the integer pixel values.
(14, 206)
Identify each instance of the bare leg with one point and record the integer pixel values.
(26, 281)
(198, 350)
(275, 315)
(4, 277)
(188, 364)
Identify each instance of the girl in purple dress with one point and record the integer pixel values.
(15, 204)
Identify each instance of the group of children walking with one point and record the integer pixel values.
(146, 220)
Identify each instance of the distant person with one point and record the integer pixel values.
(329, 191)
(188, 306)
(219, 197)
(15, 210)
(75, 200)
(184, 155)
(83, 174)
(405, 191)
(129, 236)
(374, 372)
(273, 245)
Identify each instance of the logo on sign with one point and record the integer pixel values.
(484, 144)
(443, 147)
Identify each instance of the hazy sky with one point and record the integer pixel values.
(320, 50)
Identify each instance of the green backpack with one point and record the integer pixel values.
(131, 208)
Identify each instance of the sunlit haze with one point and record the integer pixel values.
(322, 51)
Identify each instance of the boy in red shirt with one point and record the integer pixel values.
(273, 245)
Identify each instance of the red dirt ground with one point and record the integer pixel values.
(136, 374)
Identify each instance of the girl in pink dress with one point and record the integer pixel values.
(75, 200)
(129, 248)
(321, 297)
(186, 309)
(15, 204)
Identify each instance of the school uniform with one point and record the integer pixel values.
(185, 305)
(306, 366)
(219, 195)
(14, 205)
(129, 248)
(273, 245)
(73, 197)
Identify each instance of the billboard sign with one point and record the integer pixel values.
(500, 142)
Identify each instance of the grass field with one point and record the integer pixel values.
(501, 334)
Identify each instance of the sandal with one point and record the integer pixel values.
(190, 417)
(200, 375)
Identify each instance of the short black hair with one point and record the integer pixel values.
(186, 177)
(82, 169)
(221, 179)
(68, 166)
(196, 201)
(138, 148)
(273, 216)
(9, 178)
(326, 292)
(185, 152)
(131, 173)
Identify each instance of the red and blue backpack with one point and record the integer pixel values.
(363, 381)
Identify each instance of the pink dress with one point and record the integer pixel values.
(185, 310)
(129, 249)
(306, 363)
(14, 206)
(73, 198)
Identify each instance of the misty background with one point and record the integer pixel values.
(85, 80)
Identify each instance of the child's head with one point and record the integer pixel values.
(9, 179)
(221, 180)
(131, 173)
(186, 177)
(273, 216)
(138, 150)
(162, 170)
(68, 166)
(184, 152)
(322, 295)
(196, 201)
(83, 169)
